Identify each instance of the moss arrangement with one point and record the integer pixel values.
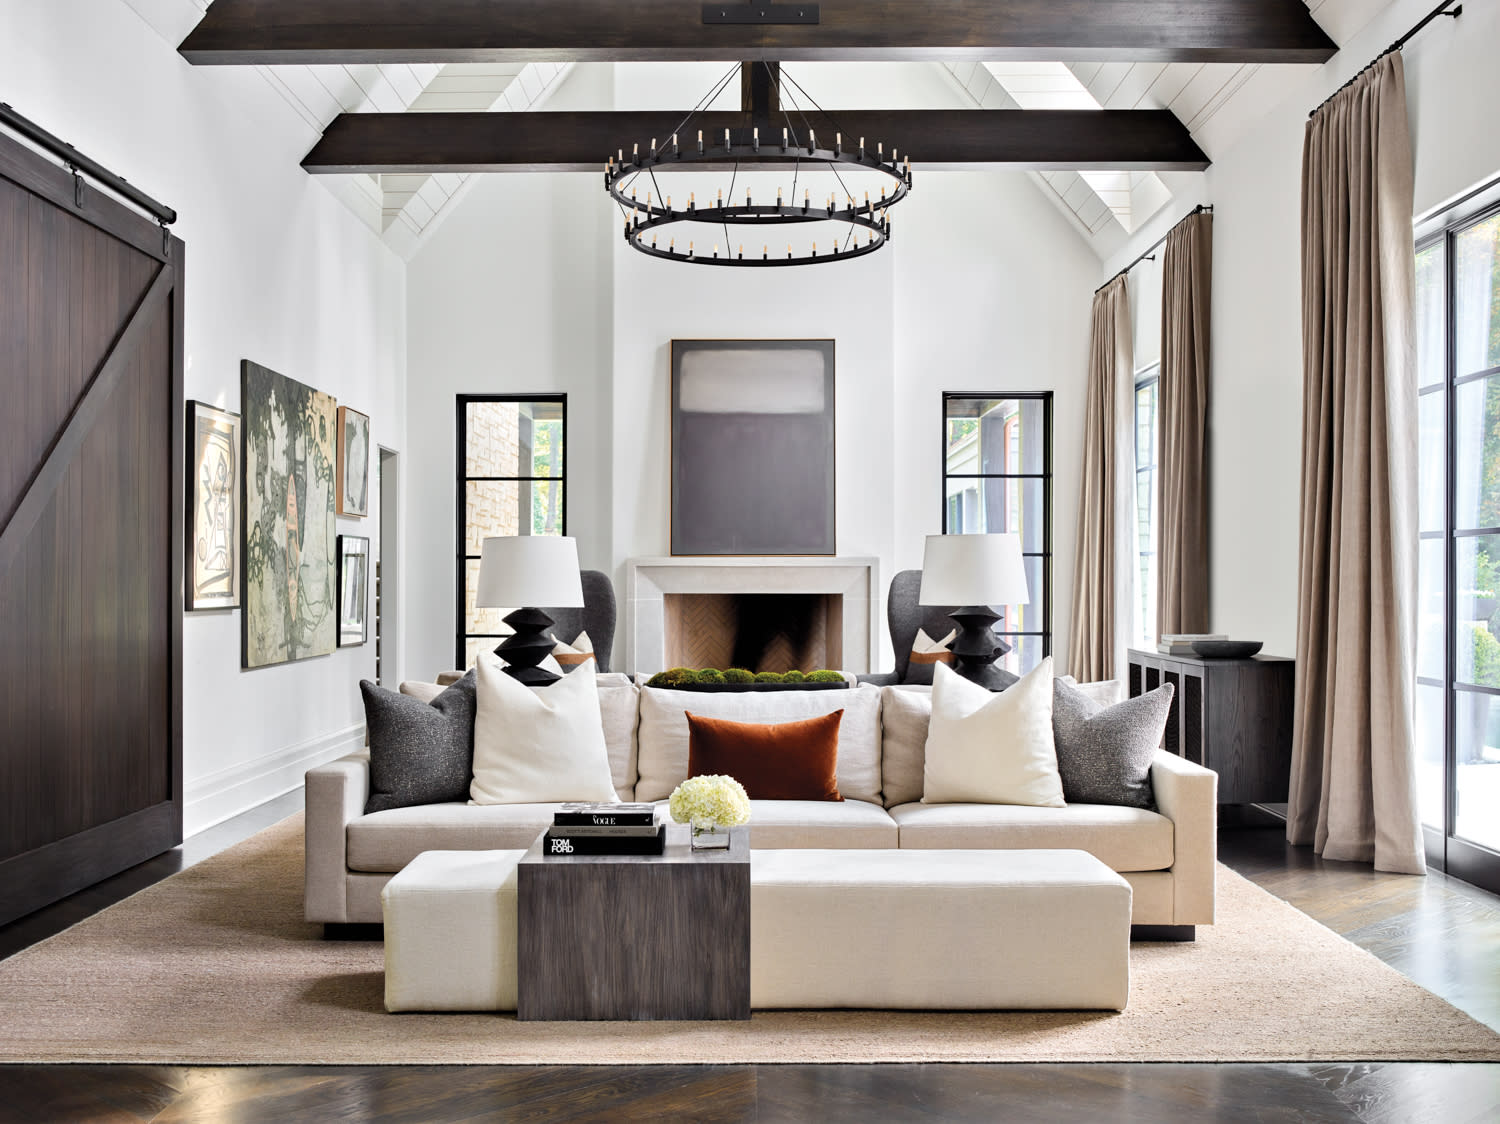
(686, 676)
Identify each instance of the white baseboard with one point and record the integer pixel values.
(216, 797)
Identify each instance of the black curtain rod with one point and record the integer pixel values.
(1442, 9)
(77, 162)
(1146, 254)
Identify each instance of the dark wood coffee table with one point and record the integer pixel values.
(635, 936)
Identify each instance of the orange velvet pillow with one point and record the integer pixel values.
(780, 761)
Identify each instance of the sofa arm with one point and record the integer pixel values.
(1188, 795)
(880, 679)
(336, 794)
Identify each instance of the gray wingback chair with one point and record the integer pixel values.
(597, 617)
(904, 616)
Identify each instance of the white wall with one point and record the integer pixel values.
(528, 287)
(279, 272)
(511, 295)
(1256, 395)
(992, 294)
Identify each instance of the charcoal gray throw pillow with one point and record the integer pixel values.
(420, 753)
(1104, 752)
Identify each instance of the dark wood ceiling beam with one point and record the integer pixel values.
(1079, 139)
(388, 31)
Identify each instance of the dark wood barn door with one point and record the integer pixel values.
(91, 455)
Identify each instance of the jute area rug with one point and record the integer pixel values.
(216, 966)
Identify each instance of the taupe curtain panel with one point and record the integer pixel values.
(1353, 785)
(1096, 600)
(1182, 549)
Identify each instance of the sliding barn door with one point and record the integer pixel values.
(91, 455)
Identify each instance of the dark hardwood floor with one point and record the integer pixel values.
(1441, 932)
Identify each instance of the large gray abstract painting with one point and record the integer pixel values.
(752, 447)
(289, 555)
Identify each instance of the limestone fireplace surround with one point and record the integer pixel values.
(648, 580)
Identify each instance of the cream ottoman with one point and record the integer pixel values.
(985, 930)
(450, 932)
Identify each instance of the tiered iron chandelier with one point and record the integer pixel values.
(855, 218)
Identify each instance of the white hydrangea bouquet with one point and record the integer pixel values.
(709, 804)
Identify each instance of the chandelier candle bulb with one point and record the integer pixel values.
(716, 249)
(635, 153)
(838, 144)
(700, 142)
(861, 148)
(755, 138)
(783, 140)
(742, 251)
(726, 139)
(690, 249)
(812, 141)
(765, 252)
(674, 145)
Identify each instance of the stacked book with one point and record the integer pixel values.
(605, 829)
(1181, 643)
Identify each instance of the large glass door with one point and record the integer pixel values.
(1458, 649)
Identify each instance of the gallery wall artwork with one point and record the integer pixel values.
(290, 610)
(213, 518)
(752, 447)
(354, 589)
(354, 462)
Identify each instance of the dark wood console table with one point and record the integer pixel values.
(1231, 716)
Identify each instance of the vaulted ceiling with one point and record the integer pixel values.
(409, 94)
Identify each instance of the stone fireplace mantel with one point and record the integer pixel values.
(648, 580)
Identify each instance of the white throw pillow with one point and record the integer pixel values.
(984, 748)
(538, 746)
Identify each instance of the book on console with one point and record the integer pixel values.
(608, 831)
(558, 841)
(1181, 643)
(605, 815)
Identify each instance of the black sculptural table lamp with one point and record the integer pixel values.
(975, 572)
(529, 570)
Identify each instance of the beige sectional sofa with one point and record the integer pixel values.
(1168, 855)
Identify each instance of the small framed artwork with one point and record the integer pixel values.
(354, 462)
(213, 501)
(354, 590)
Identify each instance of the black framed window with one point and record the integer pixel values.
(1147, 503)
(1458, 628)
(997, 478)
(512, 480)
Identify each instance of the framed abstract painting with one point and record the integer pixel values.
(288, 558)
(752, 447)
(354, 590)
(354, 462)
(213, 515)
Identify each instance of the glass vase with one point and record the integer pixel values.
(710, 838)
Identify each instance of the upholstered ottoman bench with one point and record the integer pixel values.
(977, 930)
(450, 932)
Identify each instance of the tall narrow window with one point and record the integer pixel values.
(511, 481)
(1458, 631)
(1147, 401)
(997, 477)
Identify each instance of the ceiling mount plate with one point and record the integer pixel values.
(739, 12)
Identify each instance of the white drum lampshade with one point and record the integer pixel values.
(529, 570)
(973, 570)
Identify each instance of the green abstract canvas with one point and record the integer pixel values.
(289, 556)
